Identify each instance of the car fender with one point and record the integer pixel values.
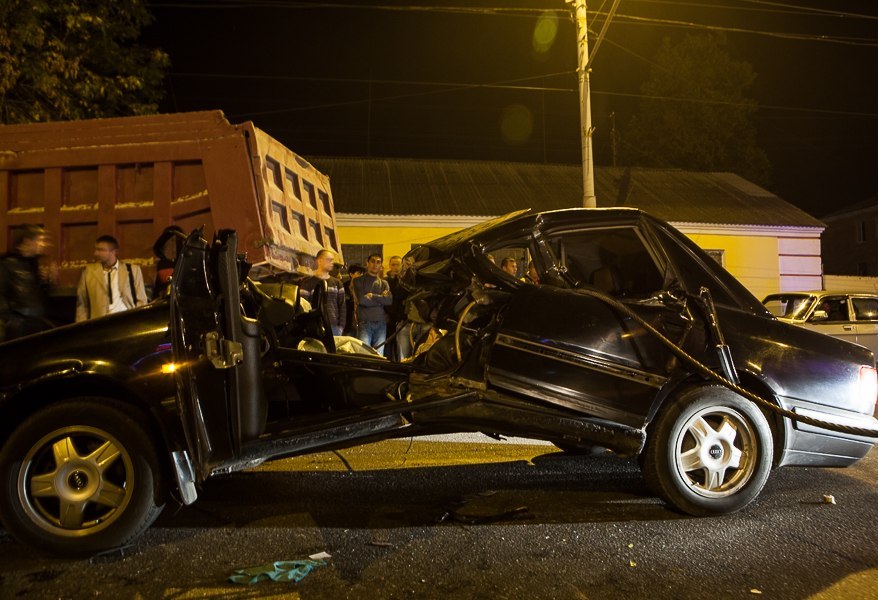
(59, 380)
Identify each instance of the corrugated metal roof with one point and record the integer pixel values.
(483, 188)
(851, 210)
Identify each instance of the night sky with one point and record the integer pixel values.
(464, 80)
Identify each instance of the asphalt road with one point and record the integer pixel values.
(438, 519)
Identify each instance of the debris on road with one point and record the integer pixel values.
(281, 570)
(828, 499)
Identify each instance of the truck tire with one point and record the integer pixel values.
(79, 477)
(709, 452)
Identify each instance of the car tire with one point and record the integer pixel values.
(79, 477)
(709, 452)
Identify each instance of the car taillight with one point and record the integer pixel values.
(868, 388)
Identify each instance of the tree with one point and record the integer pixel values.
(694, 114)
(74, 60)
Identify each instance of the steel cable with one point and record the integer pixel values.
(709, 373)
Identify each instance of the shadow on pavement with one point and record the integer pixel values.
(552, 488)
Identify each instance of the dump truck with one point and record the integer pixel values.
(131, 177)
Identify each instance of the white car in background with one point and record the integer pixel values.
(851, 316)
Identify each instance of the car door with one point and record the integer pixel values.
(211, 367)
(865, 311)
(567, 346)
(832, 316)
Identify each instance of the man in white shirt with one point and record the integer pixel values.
(108, 285)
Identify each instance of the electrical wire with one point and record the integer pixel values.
(530, 12)
(774, 7)
(844, 40)
(386, 98)
(456, 85)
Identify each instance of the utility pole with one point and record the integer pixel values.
(588, 197)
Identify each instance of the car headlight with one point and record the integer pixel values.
(868, 388)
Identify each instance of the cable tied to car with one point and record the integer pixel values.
(710, 374)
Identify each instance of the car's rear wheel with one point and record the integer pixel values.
(709, 452)
(79, 477)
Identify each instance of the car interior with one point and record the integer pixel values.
(302, 374)
(614, 261)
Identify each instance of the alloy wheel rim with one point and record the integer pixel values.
(76, 481)
(715, 452)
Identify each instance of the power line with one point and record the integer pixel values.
(623, 19)
(452, 88)
(822, 11)
(850, 41)
(237, 4)
(448, 87)
(774, 7)
(455, 85)
(823, 111)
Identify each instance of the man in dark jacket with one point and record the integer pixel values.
(166, 249)
(350, 307)
(335, 301)
(372, 295)
(23, 290)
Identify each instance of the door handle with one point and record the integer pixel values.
(847, 327)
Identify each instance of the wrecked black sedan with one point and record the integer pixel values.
(625, 336)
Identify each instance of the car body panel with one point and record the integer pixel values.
(119, 356)
(624, 367)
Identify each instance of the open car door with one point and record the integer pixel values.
(216, 353)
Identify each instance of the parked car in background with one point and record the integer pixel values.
(850, 316)
(102, 422)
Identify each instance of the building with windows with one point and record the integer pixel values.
(850, 242)
(391, 205)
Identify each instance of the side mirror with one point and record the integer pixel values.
(819, 315)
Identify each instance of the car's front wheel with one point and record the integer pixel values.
(79, 477)
(709, 452)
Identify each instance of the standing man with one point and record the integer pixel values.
(23, 290)
(335, 309)
(108, 285)
(354, 271)
(166, 249)
(396, 311)
(372, 294)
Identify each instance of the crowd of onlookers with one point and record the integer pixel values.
(369, 304)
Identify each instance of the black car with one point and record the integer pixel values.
(625, 336)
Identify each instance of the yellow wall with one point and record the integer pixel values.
(396, 240)
(753, 260)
